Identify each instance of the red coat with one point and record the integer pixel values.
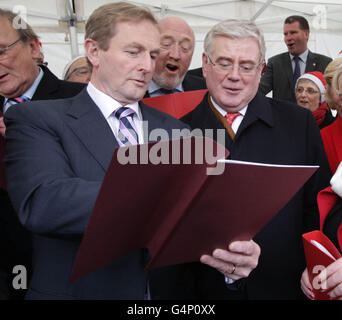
(326, 200)
(332, 140)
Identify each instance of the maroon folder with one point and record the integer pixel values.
(177, 104)
(182, 211)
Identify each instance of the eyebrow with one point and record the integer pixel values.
(140, 46)
(231, 59)
(169, 37)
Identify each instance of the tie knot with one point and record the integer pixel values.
(19, 99)
(13, 101)
(123, 112)
(231, 116)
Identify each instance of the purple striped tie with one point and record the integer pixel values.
(127, 134)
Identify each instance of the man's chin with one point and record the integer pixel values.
(168, 81)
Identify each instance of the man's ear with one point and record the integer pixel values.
(307, 34)
(92, 51)
(204, 64)
(34, 47)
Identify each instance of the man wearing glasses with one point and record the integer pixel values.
(78, 70)
(259, 129)
(21, 80)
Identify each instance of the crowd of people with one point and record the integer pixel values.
(58, 136)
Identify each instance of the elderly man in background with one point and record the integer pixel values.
(78, 70)
(176, 50)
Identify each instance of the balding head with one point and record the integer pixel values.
(177, 47)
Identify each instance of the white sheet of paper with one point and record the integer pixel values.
(322, 248)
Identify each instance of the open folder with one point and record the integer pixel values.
(180, 211)
(319, 253)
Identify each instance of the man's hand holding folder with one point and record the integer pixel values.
(237, 262)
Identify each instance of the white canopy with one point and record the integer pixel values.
(60, 23)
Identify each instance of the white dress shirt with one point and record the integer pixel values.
(108, 105)
(28, 93)
(302, 61)
(238, 119)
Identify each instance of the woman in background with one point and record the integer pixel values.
(310, 94)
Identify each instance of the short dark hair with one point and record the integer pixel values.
(26, 33)
(303, 23)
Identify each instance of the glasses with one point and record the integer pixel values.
(247, 68)
(81, 71)
(309, 91)
(3, 51)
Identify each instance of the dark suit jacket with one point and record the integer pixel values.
(190, 83)
(196, 72)
(15, 241)
(63, 152)
(279, 75)
(275, 132)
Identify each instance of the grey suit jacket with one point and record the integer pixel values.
(15, 242)
(279, 74)
(57, 158)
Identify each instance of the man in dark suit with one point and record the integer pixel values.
(261, 129)
(20, 77)
(63, 152)
(284, 69)
(177, 47)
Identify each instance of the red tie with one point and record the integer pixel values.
(230, 116)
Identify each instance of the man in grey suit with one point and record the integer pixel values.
(58, 156)
(283, 70)
(20, 79)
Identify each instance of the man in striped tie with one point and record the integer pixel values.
(21, 80)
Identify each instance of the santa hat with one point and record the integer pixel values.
(318, 79)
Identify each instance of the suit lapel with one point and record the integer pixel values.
(311, 63)
(258, 109)
(288, 68)
(47, 85)
(87, 122)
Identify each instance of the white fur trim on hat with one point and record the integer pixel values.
(316, 81)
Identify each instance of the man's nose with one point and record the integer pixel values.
(147, 63)
(175, 51)
(234, 74)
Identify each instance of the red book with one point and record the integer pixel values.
(177, 104)
(182, 211)
(319, 253)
